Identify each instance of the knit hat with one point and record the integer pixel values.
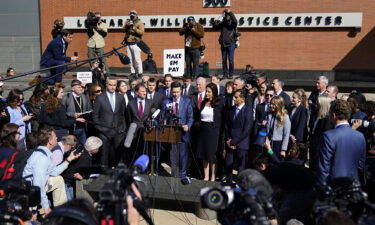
(133, 12)
(93, 143)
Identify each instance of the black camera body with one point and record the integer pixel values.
(18, 197)
(91, 21)
(236, 205)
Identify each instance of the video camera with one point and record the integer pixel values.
(91, 21)
(237, 206)
(112, 205)
(16, 198)
(346, 195)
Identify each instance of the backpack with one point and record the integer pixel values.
(12, 166)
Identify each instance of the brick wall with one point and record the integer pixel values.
(289, 49)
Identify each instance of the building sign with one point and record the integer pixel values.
(174, 62)
(286, 20)
(215, 3)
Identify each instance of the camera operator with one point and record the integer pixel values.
(193, 32)
(58, 26)
(97, 31)
(227, 23)
(99, 74)
(134, 30)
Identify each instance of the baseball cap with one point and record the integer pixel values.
(133, 12)
(190, 18)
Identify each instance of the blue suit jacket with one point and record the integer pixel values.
(185, 113)
(54, 52)
(299, 123)
(239, 128)
(342, 153)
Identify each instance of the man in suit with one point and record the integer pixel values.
(156, 97)
(109, 119)
(278, 85)
(139, 110)
(55, 54)
(182, 108)
(216, 80)
(166, 91)
(263, 109)
(75, 104)
(132, 83)
(321, 89)
(342, 150)
(187, 89)
(239, 125)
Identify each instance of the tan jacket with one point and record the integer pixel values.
(97, 40)
(195, 35)
(135, 34)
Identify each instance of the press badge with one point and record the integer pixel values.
(188, 42)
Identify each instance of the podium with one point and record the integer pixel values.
(163, 134)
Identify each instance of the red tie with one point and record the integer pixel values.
(175, 110)
(140, 109)
(200, 101)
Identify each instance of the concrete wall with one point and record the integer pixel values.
(19, 35)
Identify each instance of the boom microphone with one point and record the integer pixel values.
(130, 135)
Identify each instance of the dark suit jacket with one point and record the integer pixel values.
(190, 91)
(218, 119)
(134, 112)
(158, 100)
(106, 121)
(196, 111)
(298, 123)
(54, 52)
(185, 113)
(342, 153)
(313, 107)
(221, 90)
(286, 98)
(260, 115)
(239, 128)
(163, 91)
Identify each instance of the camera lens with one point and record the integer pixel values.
(215, 199)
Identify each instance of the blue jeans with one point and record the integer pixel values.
(228, 53)
(55, 71)
(81, 135)
(69, 192)
(179, 158)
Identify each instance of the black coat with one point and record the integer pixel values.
(134, 112)
(57, 119)
(299, 123)
(106, 121)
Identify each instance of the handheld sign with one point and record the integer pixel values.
(174, 62)
(84, 77)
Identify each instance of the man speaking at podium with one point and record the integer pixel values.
(179, 108)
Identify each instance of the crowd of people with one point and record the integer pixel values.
(251, 122)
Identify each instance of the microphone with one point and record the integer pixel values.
(155, 114)
(130, 135)
(140, 165)
(123, 58)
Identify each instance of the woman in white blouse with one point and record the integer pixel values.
(210, 124)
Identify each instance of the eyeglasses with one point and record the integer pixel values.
(268, 95)
(19, 133)
(98, 91)
(20, 100)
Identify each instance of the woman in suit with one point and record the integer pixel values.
(19, 115)
(298, 116)
(53, 114)
(278, 127)
(320, 125)
(210, 124)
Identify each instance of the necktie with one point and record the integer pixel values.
(185, 91)
(112, 101)
(236, 113)
(167, 92)
(200, 101)
(63, 47)
(140, 109)
(175, 110)
(151, 97)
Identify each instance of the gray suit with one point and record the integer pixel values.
(68, 102)
(111, 126)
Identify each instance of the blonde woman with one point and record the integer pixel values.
(278, 127)
(298, 116)
(320, 125)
